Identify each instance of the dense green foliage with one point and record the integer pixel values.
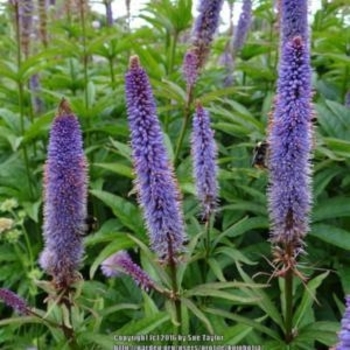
(228, 290)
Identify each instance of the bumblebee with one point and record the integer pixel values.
(260, 154)
(90, 225)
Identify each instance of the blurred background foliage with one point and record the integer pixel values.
(74, 52)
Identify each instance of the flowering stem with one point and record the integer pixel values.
(68, 331)
(21, 94)
(82, 5)
(288, 285)
(207, 237)
(111, 70)
(172, 50)
(173, 276)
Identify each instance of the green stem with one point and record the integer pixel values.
(85, 65)
(172, 50)
(289, 299)
(111, 70)
(67, 324)
(26, 238)
(173, 276)
(21, 97)
(207, 237)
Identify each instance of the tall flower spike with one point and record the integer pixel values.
(203, 32)
(155, 182)
(65, 192)
(243, 26)
(290, 143)
(344, 334)
(204, 153)
(13, 300)
(121, 262)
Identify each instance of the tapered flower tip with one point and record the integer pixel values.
(198, 104)
(111, 267)
(134, 62)
(121, 262)
(64, 108)
(13, 300)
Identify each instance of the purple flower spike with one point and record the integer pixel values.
(243, 26)
(344, 334)
(290, 143)
(204, 153)
(13, 300)
(121, 262)
(203, 32)
(65, 192)
(294, 19)
(155, 182)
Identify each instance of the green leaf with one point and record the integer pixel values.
(117, 168)
(334, 119)
(122, 241)
(32, 209)
(198, 313)
(331, 208)
(126, 212)
(332, 235)
(105, 342)
(144, 325)
(242, 226)
(309, 297)
(115, 308)
(324, 332)
(247, 206)
(152, 262)
(339, 147)
(217, 269)
(123, 149)
(91, 94)
(264, 301)
(204, 291)
(234, 254)
(244, 320)
(38, 128)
